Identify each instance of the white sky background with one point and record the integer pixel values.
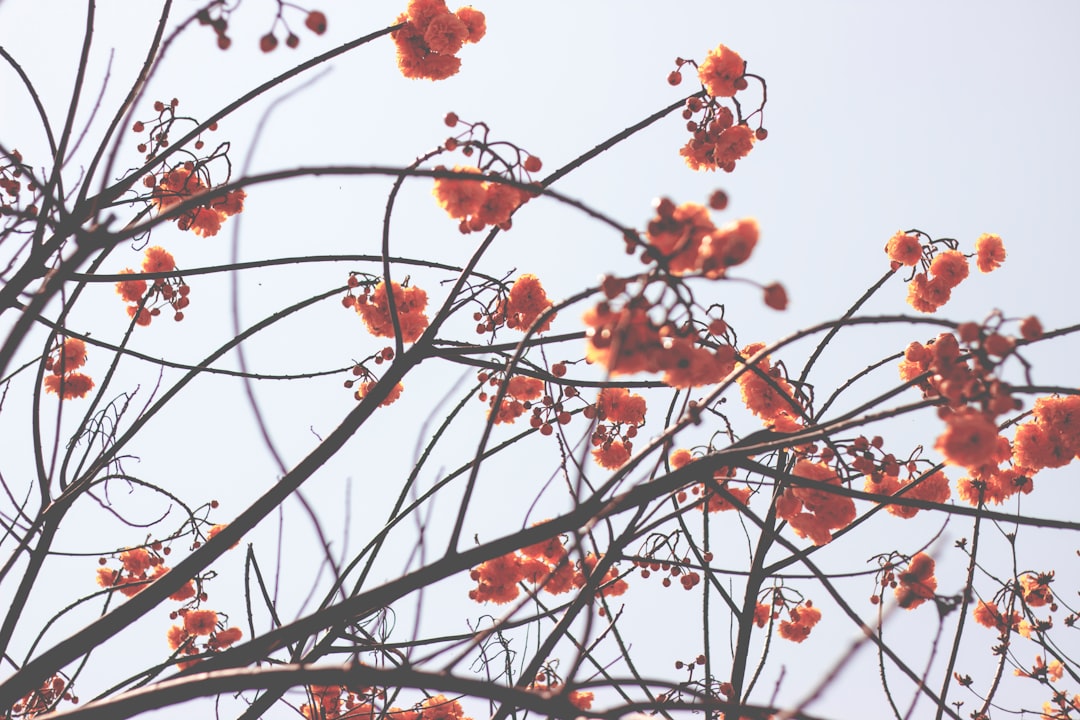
(956, 119)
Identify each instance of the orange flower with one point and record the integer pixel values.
(733, 144)
(728, 246)
(459, 197)
(1036, 448)
(970, 439)
(72, 385)
(500, 201)
(474, 21)
(612, 455)
(934, 488)
(72, 355)
(131, 291)
(719, 71)
(951, 267)
(990, 252)
(391, 397)
(1036, 589)
(803, 619)
(497, 579)
(581, 699)
(227, 637)
(988, 615)
(917, 583)
(927, 295)
(759, 392)
(522, 387)
(619, 405)
(904, 249)
(177, 636)
(158, 259)
(200, 622)
(624, 341)
(135, 561)
(679, 458)
(525, 303)
(411, 302)
(677, 234)
(762, 613)
(813, 510)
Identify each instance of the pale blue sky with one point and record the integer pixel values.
(954, 118)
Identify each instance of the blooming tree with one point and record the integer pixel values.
(618, 495)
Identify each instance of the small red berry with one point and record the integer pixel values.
(293, 40)
(761, 133)
(316, 22)
(533, 164)
(741, 84)
(718, 200)
(224, 41)
(451, 119)
(674, 78)
(268, 42)
(138, 127)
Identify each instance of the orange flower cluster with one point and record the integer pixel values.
(431, 36)
(813, 510)
(391, 397)
(627, 341)
(62, 379)
(717, 141)
(1052, 439)
(181, 184)
(974, 397)
(988, 615)
(545, 564)
(1036, 589)
(581, 699)
(520, 390)
(525, 303)
(138, 568)
(933, 488)
(686, 239)
(928, 293)
(622, 413)
(714, 501)
(803, 619)
(768, 394)
(184, 638)
(1053, 671)
(411, 302)
(477, 203)
(173, 292)
(45, 699)
(619, 405)
(917, 584)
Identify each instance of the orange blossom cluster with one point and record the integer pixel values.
(374, 308)
(932, 288)
(44, 699)
(621, 413)
(62, 379)
(181, 184)
(801, 620)
(431, 36)
(718, 138)
(713, 501)
(172, 292)
(477, 203)
(544, 564)
(811, 508)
